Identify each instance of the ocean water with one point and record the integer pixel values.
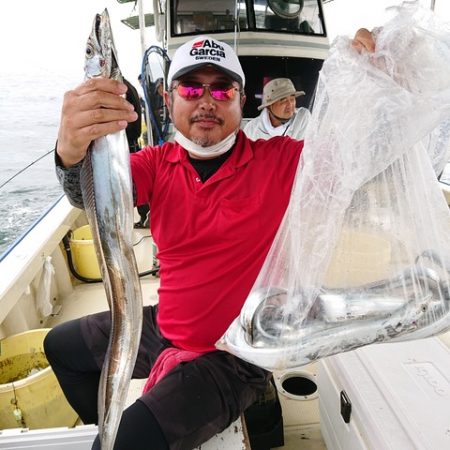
(30, 105)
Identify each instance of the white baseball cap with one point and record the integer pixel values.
(204, 51)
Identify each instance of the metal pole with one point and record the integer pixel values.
(142, 25)
(143, 48)
(158, 31)
(432, 4)
(236, 18)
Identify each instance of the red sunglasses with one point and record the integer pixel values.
(194, 91)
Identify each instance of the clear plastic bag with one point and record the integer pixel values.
(363, 252)
(44, 303)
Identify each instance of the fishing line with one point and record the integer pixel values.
(141, 239)
(25, 168)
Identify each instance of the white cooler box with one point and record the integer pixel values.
(387, 396)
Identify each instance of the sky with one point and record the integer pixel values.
(54, 44)
(50, 36)
(346, 16)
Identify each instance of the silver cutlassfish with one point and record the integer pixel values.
(107, 194)
(414, 302)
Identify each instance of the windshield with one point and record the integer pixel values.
(284, 16)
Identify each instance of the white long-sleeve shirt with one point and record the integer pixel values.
(261, 128)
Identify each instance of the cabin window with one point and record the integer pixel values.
(298, 16)
(190, 16)
(289, 16)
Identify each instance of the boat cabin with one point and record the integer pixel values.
(273, 38)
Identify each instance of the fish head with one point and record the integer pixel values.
(101, 54)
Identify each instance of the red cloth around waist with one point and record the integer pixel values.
(166, 361)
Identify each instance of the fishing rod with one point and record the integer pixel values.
(25, 168)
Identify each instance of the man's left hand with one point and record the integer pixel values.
(364, 41)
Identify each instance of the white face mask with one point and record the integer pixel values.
(201, 152)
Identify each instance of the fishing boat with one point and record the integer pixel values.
(371, 398)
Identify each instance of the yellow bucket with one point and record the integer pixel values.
(30, 395)
(83, 253)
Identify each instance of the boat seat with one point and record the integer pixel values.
(81, 437)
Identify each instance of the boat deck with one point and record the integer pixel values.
(303, 428)
(300, 415)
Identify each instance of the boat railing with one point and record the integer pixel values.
(24, 261)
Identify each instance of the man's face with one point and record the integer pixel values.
(205, 120)
(284, 108)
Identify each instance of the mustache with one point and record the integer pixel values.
(199, 117)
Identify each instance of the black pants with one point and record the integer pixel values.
(196, 400)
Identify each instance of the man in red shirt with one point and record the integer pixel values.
(217, 200)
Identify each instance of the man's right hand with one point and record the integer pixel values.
(94, 109)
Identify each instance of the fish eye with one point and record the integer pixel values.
(89, 51)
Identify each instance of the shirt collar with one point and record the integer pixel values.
(242, 152)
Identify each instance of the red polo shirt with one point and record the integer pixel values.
(212, 237)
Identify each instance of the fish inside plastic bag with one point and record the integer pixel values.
(363, 252)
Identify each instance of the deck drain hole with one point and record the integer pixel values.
(298, 385)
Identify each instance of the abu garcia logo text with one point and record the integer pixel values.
(207, 48)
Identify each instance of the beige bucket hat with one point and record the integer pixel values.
(277, 89)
